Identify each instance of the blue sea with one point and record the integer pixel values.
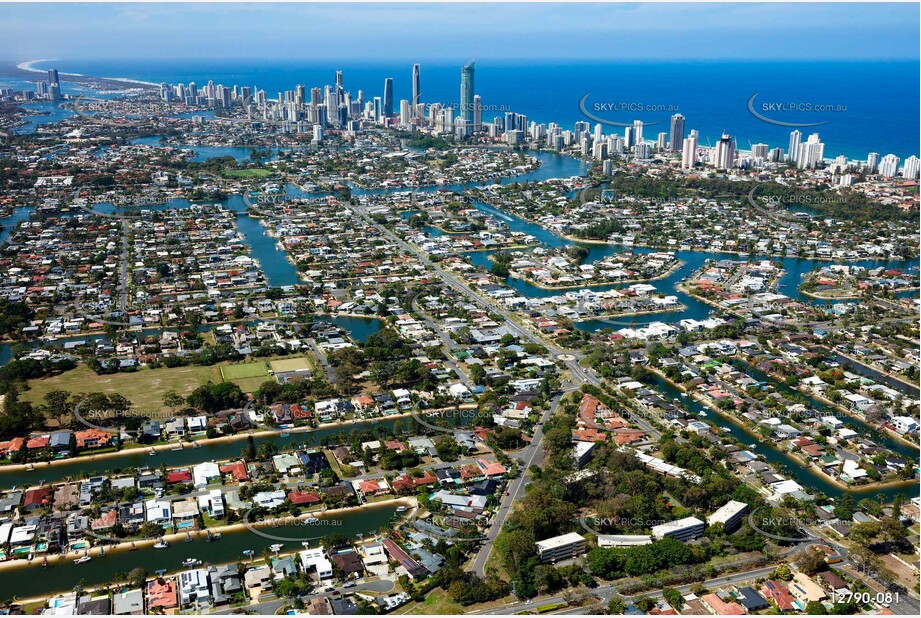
(875, 103)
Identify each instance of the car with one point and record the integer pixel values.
(348, 585)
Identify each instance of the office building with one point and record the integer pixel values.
(676, 133)
(560, 547)
(466, 92)
(681, 529)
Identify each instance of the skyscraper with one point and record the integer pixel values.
(676, 133)
(889, 166)
(911, 168)
(477, 112)
(637, 131)
(466, 92)
(810, 154)
(416, 91)
(689, 151)
(796, 137)
(53, 76)
(873, 162)
(388, 97)
(725, 152)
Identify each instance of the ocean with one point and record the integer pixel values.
(873, 104)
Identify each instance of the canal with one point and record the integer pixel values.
(33, 580)
(213, 451)
(792, 467)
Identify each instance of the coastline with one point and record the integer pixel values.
(27, 67)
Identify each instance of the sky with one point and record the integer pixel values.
(397, 31)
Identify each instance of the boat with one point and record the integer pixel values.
(684, 394)
(285, 434)
(213, 537)
(276, 547)
(161, 544)
(188, 537)
(133, 547)
(402, 509)
(702, 413)
(752, 445)
(82, 560)
(190, 562)
(45, 561)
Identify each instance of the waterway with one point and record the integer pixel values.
(33, 580)
(792, 467)
(553, 166)
(213, 451)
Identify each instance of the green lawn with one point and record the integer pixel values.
(144, 388)
(251, 173)
(250, 385)
(244, 370)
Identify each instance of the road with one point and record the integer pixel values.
(529, 456)
(321, 357)
(446, 340)
(123, 270)
(580, 375)
(606, 592)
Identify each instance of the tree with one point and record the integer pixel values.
(811, 561)
(172, 400)
(815, 608)
(844, 510)
(616, 606)
(57, 406)
(783, 572)
(249, 451)
(674, 598)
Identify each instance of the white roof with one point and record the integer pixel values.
(559, 541)
(727, 512)
(674, 526)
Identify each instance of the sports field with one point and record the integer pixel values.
(291, 364)
(244, 370)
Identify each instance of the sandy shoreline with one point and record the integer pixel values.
(27, 66)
